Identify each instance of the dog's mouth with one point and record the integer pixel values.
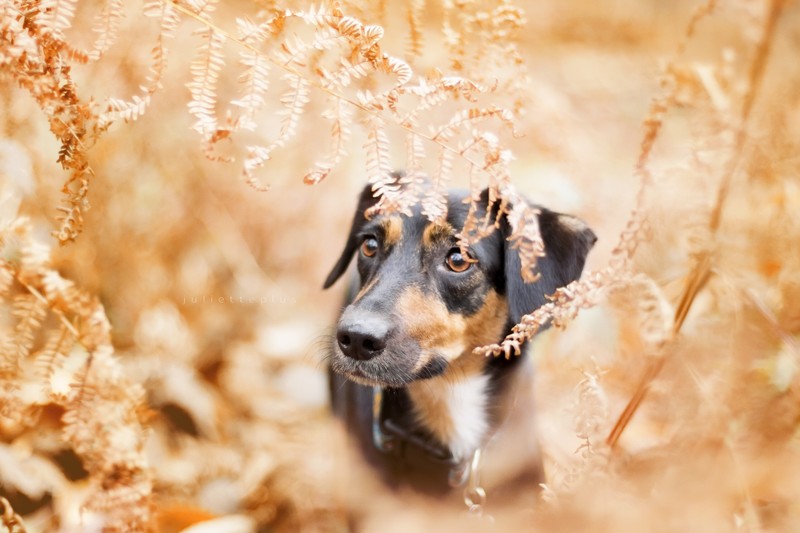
(354, 372)
(385, 370)
(359, 376)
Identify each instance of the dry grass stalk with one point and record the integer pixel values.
(702, 270)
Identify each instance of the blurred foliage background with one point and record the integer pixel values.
(213, 290)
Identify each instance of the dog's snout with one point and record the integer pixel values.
(362, 339)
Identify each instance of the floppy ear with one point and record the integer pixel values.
(365, 201)
(567, 241)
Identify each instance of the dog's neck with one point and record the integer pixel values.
(454, 411)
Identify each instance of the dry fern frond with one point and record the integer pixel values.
(55, 16)
(6, 279)
(354, 49)
(30, 312)
(132, 110)
(469, 118)
(294, 102)
(526, 238)
(11, 520)
(636, 227)
(205, 70)
(482, 40)
(434, 202)
(523, 218)
(59, 342)
(415, 42)
(379, 167)
(103, 412)
(107, 27)
(340, 115)
(102, 422)
(34, 52)
(591, 412)
(564, 306)
(255, 84)
(340, 52)
(346, 74)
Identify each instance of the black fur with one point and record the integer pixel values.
(365, 201)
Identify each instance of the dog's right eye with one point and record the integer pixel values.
(369, 247)
(458, 262)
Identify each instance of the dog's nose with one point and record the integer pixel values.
(362, 340)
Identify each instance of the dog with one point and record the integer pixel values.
(403, 375)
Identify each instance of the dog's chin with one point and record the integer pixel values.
(357, 376)
(361, 372)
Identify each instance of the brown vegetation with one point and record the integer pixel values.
(164, 367)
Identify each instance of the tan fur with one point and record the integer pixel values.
(462, 386)
(427, 321)
(392, 231)
(454, 411)
(488, 323)
(435, 232)
(450, 335)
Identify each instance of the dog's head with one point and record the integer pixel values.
(423, 306)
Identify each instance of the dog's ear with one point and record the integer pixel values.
(567, 241)
(365, 201)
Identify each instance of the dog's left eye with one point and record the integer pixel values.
(369, 247)
(458, 262)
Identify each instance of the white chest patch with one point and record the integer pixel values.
(453, 411)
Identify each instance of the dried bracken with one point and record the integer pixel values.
(206, 401)
(103, 413)
(36, 54)
(272, 42)
(12, 522)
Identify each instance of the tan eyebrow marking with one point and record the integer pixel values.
(434, 232)
(392, 231)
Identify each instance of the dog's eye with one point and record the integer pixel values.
(369, 247)
(458, 262)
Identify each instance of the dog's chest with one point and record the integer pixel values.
(454, 411)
